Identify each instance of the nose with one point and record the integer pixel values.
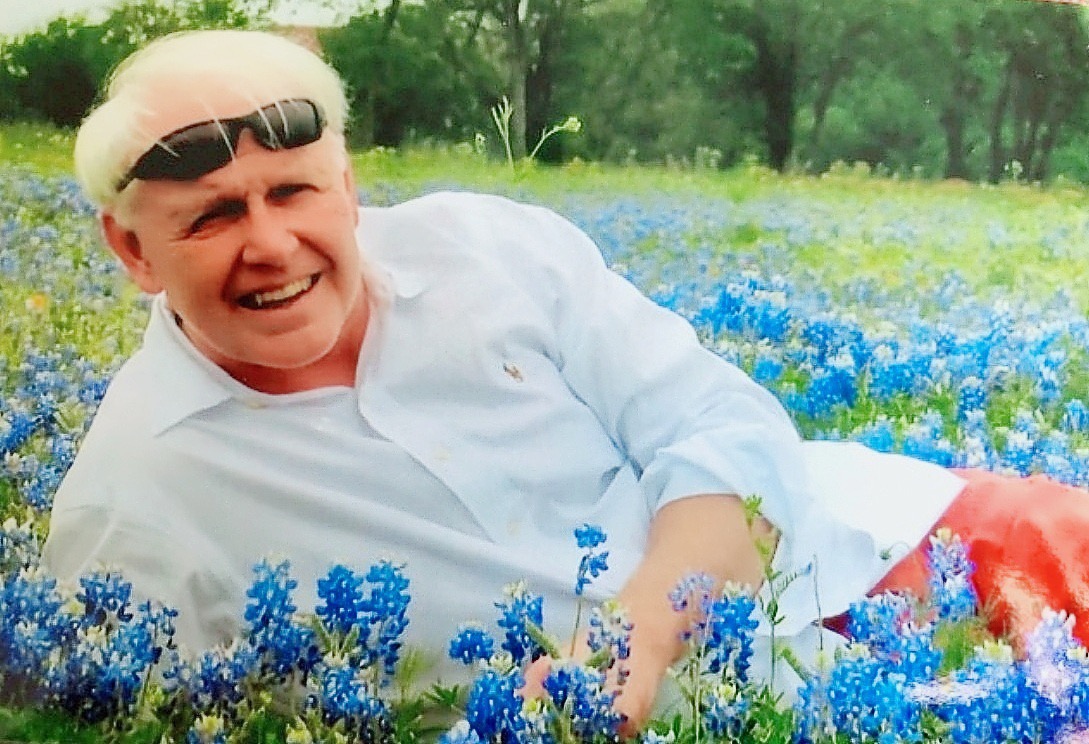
(268, 239)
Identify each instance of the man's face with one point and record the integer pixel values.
(258, 260)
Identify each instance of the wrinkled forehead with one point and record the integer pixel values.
(165, 111)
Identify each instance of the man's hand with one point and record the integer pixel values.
(700, 534)
(637, 694)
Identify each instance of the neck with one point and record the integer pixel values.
(337, 368)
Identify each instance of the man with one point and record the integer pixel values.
(456, 382)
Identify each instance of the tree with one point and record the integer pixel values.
(837, 36)
(56, 74)
(408, 72)
(747, 49)
(1044, 77)
(531, 34)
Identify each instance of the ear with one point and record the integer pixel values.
(126, 246)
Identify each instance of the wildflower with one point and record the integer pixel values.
(218, 675)
(926, 440)
(1054, 660)
(494, 708)
(610, 630)
(886, 625)
(592, 564)
(951, 592)
(835, 384)
(860, 699)
(283, 643)
(471, 643)
(767, 369)
(521, 609)
(341, 599)
(16, 428)
(1007, 708)
(19, 546)
(1020, 451)
(105, 596)
(461, 733)
(1075, 416)
(102, 673)
(342, 694)
(386, 612)
(37, 302)
(972, 396)
(724, 709)
(580, 693)
(877, 435)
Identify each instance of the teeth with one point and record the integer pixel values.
(260, 299)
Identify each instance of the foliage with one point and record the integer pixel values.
(409, 78)
(56, 74)
(978, 89)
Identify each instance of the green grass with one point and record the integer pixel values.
(45, 148)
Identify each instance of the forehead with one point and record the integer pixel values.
(176, 102)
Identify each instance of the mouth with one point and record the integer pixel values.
(274, 298)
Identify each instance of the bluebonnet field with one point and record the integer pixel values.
(944, 321)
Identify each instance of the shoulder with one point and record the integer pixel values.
(124, 446)
(124, 416)
(463, 207)
(479, 227)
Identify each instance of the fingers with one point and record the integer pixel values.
(535, 676)
(635, 703)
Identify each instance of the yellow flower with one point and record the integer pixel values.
(38, 302)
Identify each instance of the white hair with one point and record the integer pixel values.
(257, 66)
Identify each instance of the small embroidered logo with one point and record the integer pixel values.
(513, 372)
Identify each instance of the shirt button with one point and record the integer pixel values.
(514, 526)
(442, 454)
(255, 404)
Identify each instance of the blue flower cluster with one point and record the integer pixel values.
(361, 632)
(593, 563)
(577, 696)
(42, 416)
(881, 686)
(714, 676)
(940, 369)
(104, 658)
(952, 594)
(88, 652)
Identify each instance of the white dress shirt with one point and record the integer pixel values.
(511, 389)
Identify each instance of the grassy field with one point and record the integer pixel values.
(946, 320)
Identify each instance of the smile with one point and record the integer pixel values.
(274, 298)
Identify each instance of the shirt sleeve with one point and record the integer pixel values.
(691, 422)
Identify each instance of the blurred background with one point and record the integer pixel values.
(981, 90)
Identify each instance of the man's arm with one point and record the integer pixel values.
(708, 534)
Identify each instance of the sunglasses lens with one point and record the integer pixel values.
(186, 155)
(202, 148)
(287, 124)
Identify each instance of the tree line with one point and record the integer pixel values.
(970, 89)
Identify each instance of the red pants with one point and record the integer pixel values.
(1029, 541)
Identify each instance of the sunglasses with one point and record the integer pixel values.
(197, 149)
